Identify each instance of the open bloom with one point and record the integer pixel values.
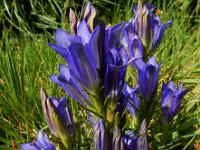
(95, 62)
(58, 118)
(144, 33)
(42, 143)
(147, 77)
(130, 141)
(171, 100)
(131, 41)
(139, 142)
(132, 100)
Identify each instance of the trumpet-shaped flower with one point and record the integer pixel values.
(42, 143)
(95, 60)
(158, 32)
(171, 100)
(58, 118)
(147, 77)
(131, 41)
(144, 33)
(130, 141)
(139, 142)
(132, 101)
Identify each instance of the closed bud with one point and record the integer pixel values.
(73, 21)
(117, 141)
(144, 23)
(90, 15)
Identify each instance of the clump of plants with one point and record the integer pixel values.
(111, 72)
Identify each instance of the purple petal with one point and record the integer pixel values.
(41, 143)
(117, 141)
(59, 50)
(136, 47)
(147, 77)
(94, 47)
(83, 32)
(130, 141)
(171, 100)
(80, 66)
(63, 39)
(71, 88)
(158, 32)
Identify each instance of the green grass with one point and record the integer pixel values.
(26, 61)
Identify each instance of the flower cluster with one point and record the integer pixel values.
(97, 57)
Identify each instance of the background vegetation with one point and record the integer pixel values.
(27, 26)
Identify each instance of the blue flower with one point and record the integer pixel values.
(130, 141)
(42, 143)
(143, 33)
(131, 41)
(95, 62)
(171, 100)
(139, 142)
(132, 101)
(158, 32)
(147, 77)
(58, 118)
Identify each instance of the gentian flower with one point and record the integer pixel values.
(95, 62)
(42, 143)
(147, 77)
(144, 33)
(133, 101)
(142, 143)
(139, 142)
(143, 22)
(158, 32)
(130, 141)
(58, 118)
(117, 141)
(100, 139)
(90, 15)
(131, 41)
(171, 100)
(80, 78)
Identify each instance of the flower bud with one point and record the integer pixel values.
(142, 143)
(100, 141)
(144, 23)
(90, 15)
(117, 142)
(73, 21)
